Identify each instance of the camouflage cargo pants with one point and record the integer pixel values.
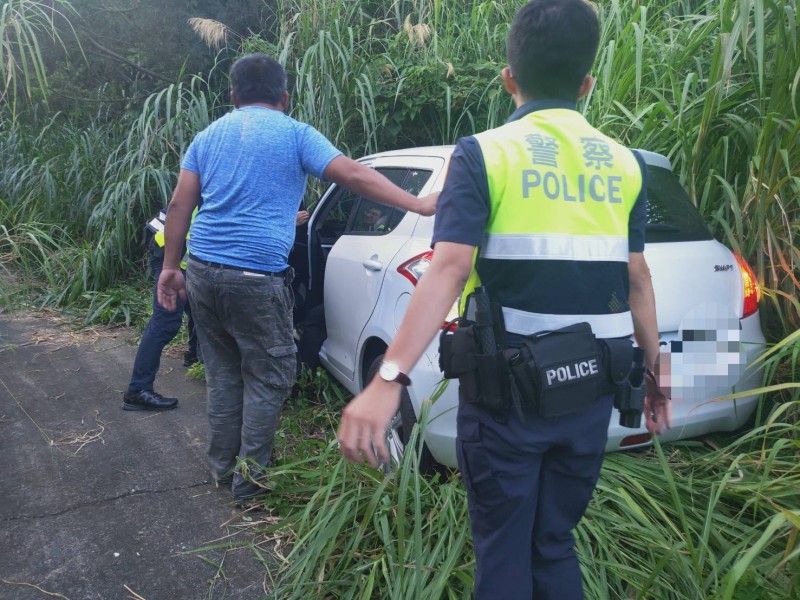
(244, 323)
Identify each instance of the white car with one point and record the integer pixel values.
(364, 275)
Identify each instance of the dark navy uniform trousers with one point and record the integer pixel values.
(528, 485)
(160, 331)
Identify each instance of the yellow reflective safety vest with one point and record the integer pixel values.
(156, 226)
(556, 247)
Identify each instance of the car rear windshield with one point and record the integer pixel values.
(671, 216)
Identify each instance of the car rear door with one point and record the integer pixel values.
(357, 262)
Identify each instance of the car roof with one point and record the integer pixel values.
(650, 158)
(655, 159)
(440, 151)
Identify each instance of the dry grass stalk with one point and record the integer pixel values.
(418, 34)
(213, 33)
(93, 435)
(36, 587)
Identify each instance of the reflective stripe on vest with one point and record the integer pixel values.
(557, 246)
(603, 326)
(559, 191)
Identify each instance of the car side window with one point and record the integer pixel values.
(339, 211)
(377, 219)
(349, 213)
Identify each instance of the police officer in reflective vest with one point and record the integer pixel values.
(160, 331)
(547, 215)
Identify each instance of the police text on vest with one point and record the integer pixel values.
(556, 186)
(577, 370)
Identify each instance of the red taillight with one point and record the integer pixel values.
(413, 270)
(751, 290)
(635, 440)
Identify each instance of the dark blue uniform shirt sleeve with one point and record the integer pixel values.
(462, 210)
(637, 221)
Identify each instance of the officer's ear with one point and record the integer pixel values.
(234, 100)
(586, 86)
(509, 83)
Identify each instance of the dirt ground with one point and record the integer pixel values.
(100, 503)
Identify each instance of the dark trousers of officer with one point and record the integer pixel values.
(160, 331)
(528, 485)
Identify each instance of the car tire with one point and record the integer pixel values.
(401, 427)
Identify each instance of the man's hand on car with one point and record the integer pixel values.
(362, 432)
(428, 204)
(171, 284)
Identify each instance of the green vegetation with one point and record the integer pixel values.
(714, 519)
(713, 85)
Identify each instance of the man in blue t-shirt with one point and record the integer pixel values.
(249, 168)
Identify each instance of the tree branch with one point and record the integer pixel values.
(111, 54)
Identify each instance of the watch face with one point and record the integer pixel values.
(389, 371)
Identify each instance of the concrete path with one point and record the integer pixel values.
(97, 502)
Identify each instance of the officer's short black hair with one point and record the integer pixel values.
(258, 78)
(551, 47)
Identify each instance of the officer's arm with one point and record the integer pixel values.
(657, 408)
(184, 200)
(368, 182)
(642, 301)
(366, 417)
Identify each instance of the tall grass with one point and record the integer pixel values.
(22, 68)
(688, 522)
(712, 84)
(716, 89)
(73, 202)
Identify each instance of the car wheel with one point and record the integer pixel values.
(400, 428)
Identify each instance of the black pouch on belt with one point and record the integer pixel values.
(482, 378)
(457, 349)
(567, 368)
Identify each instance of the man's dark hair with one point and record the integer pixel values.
(257, 78)
(551, 47)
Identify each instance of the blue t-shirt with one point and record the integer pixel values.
(253, 164)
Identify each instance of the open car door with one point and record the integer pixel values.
(367, 237)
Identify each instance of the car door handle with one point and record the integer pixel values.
(372, 264)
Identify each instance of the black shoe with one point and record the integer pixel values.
(147, 400)
(190, 359)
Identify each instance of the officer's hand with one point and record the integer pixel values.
(657, 407)
(302, 217)
(427, 204)
(171, 284)
(362, 432)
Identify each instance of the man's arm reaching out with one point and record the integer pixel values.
(368, 182)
